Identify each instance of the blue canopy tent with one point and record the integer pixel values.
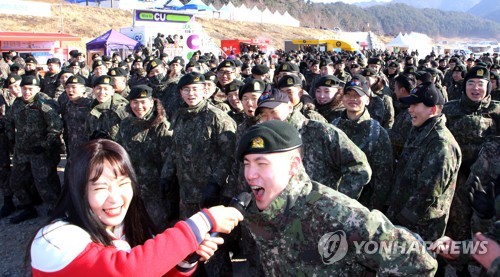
(112, 41)
(196, 5)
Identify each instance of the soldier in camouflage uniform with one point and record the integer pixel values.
(120, 78)
(107, 110)
(370, 137)
(74, 113)
(292, 214)
(426, 173)
(214, 94)
(495, 86)
(51, 78)
(328, 98)
(456, 86)
(471, 119)
(326, 68)
(382, 112)
(340, 72)
(448, 75)
(292, 86)
(34, 128)
(165, 88)
(237, 112)
(402, 122)
(12, 91)
(330, 157)
(146, 136)
(200, 158)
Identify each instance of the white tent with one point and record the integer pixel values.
(289, 20)
(267, 16)
(399, 41)
(241, 13)
(255, 15)
(227, 11)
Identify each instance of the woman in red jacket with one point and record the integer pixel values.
(100, 225)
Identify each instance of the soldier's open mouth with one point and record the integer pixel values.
(258, 191)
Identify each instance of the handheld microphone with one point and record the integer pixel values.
(240, 203)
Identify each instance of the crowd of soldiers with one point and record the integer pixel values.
(408, 136)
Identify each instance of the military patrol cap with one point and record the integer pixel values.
(233, 86)
(357, 86)
(288, 67)
(289, 81)
(369, 72)
(426, 93)
(252, 85)
(328, 81)
(97, 63)
(272, 136)
(103, 80)
(211, 76)
(192, 64)
(30, 80)
(477, 72)
(226, 63)
(154, 64)
(117, 72)
(271, 100)
(375, 60)
(30, 60)
(54, 60)
(325, 62)
(75, 79)
(178, 60)
(11, 79)
(140, 91)
(260, 69)
(190, 79)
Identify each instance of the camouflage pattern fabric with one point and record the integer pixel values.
(106, 117)
(289, 231)
(49, 85)
(309, 113)
(455, 91)
(400, 130)
(329, 112)
(74, 115)
(425, 179)
(382, 109)
(169, 95)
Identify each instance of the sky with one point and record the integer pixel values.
(346, 1)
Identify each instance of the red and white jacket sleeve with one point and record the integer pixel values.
(63, 249)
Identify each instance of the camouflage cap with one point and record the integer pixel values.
(103, 80)
(190, 79)
(272, 136)
(30, 80)
(271, 101)
(140, 91)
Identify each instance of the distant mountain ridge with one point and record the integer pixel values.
(489, 9)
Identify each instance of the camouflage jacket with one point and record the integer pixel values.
(34, 124)
(471, 123)
(6, 101)
(106, 117)
(382, 109)
(147, 142)
(330, 157)
(294, 235)
(495, 94)
(169, 96)
(203, 145)
(50, 84)
(400, 131)
(425, 179)
(370, 137)
(238, 117)
(455, 90)
(74, 115)
(309, 112)
(329, 112)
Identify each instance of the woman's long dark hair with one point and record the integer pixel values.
(87, 165)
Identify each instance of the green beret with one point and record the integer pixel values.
(103, 80)
(289, 81)
(75, 79)
(325, 62)
(30, 80)
(369, 72)
(260, 69)
(30, 60)
(289, 67)
(269, 137)
(252, 85)
(176, 59)
(192, 64)
(140, 91)
(117, 72)
(190, 79)
(375, 60)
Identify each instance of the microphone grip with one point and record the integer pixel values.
(194, 257)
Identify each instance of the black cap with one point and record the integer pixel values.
(103, 80)
(30, 80)
(410, 70)
(211, 76)
(30, 60)
(75, 79)
(494, 76)
(271, 101)
(97, 63)
(375, 60)
(289, 81)
(54, 60)
(369, 72)
(117, 72)
(477, 72)
(235, 85)
(252, 85)
(289, 67)
(74, 63)
(106, 58)
(272, 136)
(190, 79)
(178, 60)
(11, 79)
(138, 60)
(140, 91)
(260, 69)
(393, 64)
(357, 87)
(460, 67)
(325, 62)
(328, 81)
(192, 64)
(426, 93)
(423, 76)
(154, 64)
(14, 67)
(226, 63)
